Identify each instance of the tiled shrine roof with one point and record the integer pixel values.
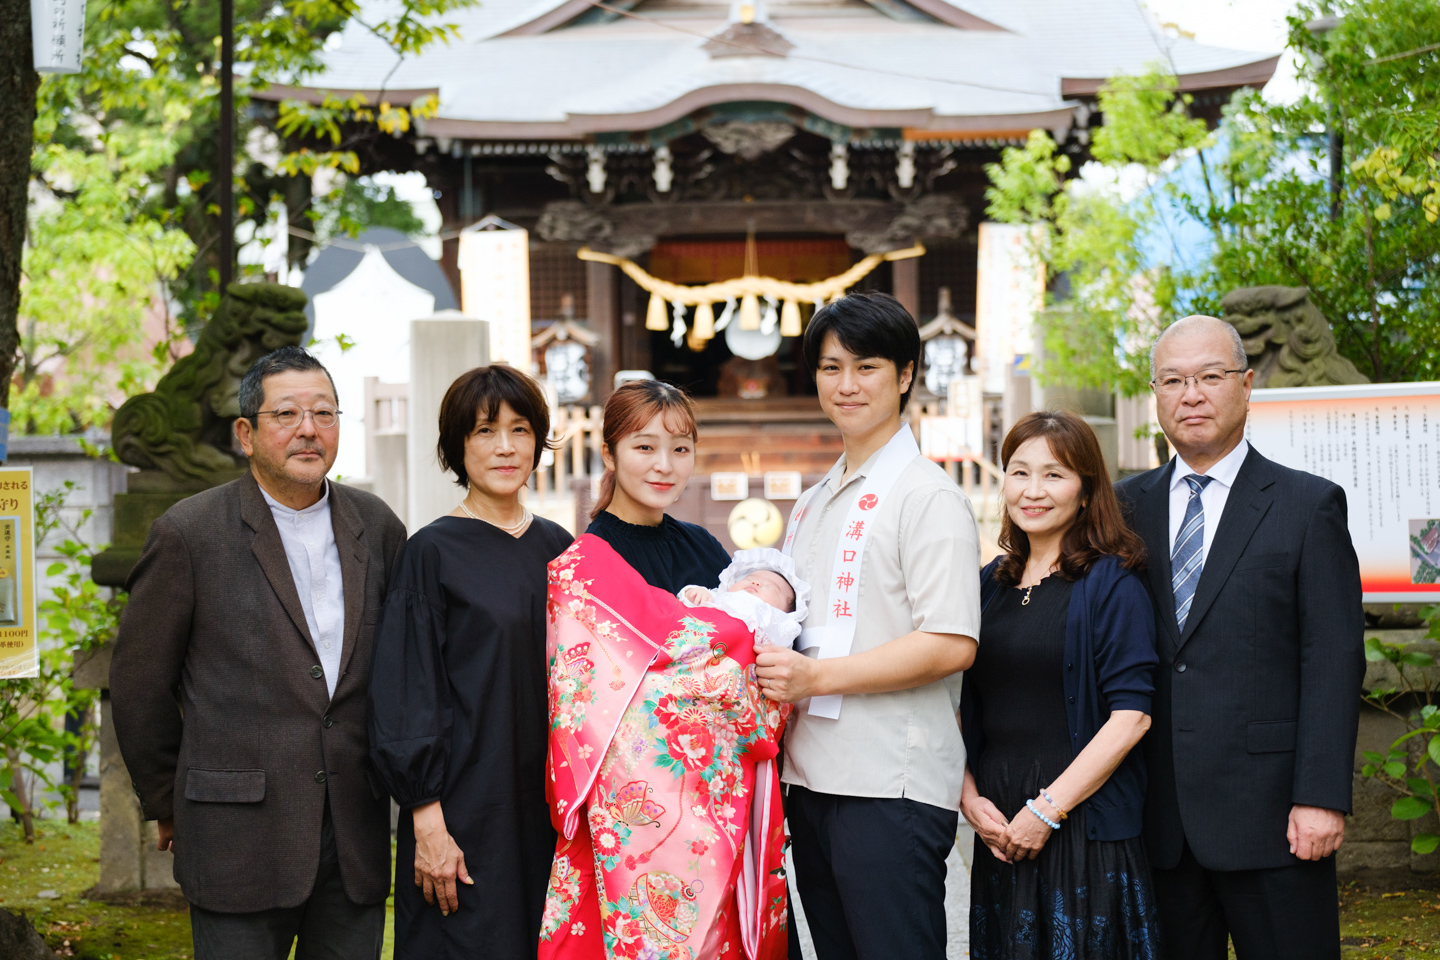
(556, 69)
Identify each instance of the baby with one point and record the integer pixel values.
(760, 588)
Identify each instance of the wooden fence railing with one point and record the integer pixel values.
(576, 431)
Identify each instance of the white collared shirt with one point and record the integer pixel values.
(309, 540)
(1222, 477)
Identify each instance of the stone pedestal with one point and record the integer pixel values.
(128, 858)
(149, 494)
(387, 472)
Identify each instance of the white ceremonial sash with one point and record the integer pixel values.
(838, 635)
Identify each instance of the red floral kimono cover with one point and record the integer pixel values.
(661, 775)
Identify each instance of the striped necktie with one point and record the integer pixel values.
(1188, 557)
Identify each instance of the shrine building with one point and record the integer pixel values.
(703, 140)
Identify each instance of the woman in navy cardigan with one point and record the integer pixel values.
(1051, 711)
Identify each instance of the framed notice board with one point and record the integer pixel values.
(1381, 442)
(19, 650)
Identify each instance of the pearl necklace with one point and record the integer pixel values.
(1025, 601)
(525, 517)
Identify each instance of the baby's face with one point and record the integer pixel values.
(770, 587)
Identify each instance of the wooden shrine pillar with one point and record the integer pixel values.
(601, 284)
(905, 284)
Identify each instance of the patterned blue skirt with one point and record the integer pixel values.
(1080, 899)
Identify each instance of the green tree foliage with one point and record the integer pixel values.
(1258, 186)
(1098, 235)
(359, 203)
(125, 223)
(97, 260)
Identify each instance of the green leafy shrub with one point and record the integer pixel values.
(1409, 768)
(76, 617)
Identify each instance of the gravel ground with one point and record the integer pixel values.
(957, 901)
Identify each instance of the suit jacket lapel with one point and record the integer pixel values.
(1152, 523)
(270, 552)
(354, 563)
(1245, 507)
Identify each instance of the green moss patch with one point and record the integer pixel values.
(47, 881)
(65, 861)
(1396, 920)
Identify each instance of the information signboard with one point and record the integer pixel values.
(19, 652)
(1381, 443)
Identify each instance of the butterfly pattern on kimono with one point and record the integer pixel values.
(680, 815)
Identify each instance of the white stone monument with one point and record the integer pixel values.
(441, 348)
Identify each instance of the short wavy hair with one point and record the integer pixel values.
(475, 397)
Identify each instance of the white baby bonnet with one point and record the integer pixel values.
(746, 562)
(769, 624)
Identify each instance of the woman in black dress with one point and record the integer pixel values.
(1057, 699)
(458, 712)
(649, 452)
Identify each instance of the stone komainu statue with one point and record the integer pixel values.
(1287, 338)
(183, 428)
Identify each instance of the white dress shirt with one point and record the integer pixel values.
(1222, 477)
(309, 540)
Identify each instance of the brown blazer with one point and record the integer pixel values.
(220, 705)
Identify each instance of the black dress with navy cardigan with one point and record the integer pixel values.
(1046, 677)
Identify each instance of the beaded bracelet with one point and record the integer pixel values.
(1058, 809)
(1030, 805)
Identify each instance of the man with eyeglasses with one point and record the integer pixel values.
(239, 685)
(1259, 628)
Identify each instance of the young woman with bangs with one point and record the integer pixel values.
(649, 453)
(661, 775)
(1056, 702)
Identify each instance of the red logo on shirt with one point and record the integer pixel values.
(869, 501)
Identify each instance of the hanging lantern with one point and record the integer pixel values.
(655, 318)
(790, 319)
(750, 312)
(57, 28)
(703, 326)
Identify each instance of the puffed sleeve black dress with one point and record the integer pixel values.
(458, 714)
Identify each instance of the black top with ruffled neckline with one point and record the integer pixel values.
(672, 555)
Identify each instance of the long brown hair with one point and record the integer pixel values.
(629, 409)
(1099, 529)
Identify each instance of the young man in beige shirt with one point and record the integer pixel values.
(874, 762)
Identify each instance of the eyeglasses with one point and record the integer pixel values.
(1207, 380)
(288, 418)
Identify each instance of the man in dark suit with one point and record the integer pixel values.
(1259, 628)
(239, 686)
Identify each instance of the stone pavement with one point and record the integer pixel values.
(957, 901)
